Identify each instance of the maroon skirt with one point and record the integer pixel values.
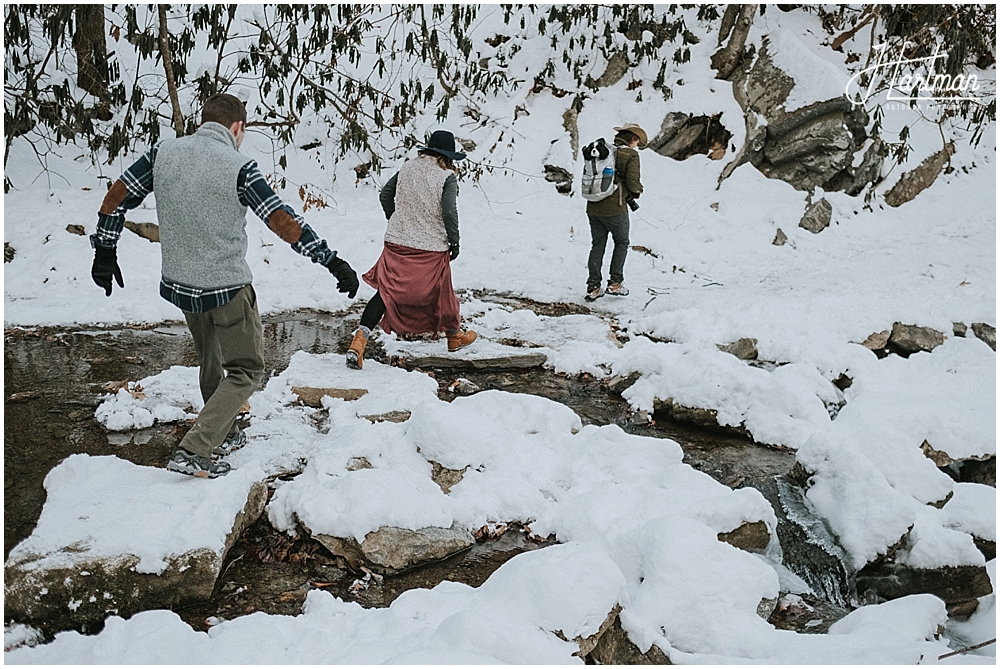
(416, 288)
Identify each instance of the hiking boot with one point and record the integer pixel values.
(356, 352)
(232, 443)
(593, 293)
(183, 462)
(617, 289)
(460, 340)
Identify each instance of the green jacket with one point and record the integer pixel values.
(627, 174)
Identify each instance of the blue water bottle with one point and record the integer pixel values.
(606, 177)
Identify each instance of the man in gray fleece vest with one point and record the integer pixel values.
(203, 189)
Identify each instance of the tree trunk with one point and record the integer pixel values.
(726, 59)
(91, 50)
(168, 69)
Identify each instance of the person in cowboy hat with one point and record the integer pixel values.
(610, 215)
(413, 275)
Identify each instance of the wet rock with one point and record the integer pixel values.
(744, 348)
(8, 252)
(952, 584)
(446, 478)
(809, 549)
(959, 329)
(641, 417)
(515, 361)
(981, 470)
(313, 397)
(907, 339)
(703, 417)
(392, 550)
(752, 537)
(74, 229)
(614, 647)
(389, 417)
(913, 182)
(76, 589)
(986, 333)
(561, 177)
(817, 216)
(619, 384)
(150, 231)
(780, 238)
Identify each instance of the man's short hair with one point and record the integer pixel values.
(223, 108)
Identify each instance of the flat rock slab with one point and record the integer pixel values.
(313, 397)
(514, 361)
(117, 538)
(952, 584)
(392, 550)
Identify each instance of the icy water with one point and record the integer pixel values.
(54, 379)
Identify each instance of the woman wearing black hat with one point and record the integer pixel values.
(413, 274)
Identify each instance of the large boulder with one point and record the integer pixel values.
(115, 538)
(808, 143)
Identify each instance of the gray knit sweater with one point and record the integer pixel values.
(203, 238)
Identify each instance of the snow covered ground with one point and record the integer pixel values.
(640, 528)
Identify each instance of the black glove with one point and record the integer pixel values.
(105, 267)
(453, 250)
(347, 279)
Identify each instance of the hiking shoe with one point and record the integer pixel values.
(617, 289)
(460, 340)
(356, 353)
(593, 294)
(232, 443)
(183, 462)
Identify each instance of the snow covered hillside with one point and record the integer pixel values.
(634, 523)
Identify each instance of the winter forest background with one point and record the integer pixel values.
(812, 269)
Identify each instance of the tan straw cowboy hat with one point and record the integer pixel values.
(637, 131)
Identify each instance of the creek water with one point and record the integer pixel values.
(54, 380)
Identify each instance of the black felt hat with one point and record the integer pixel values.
(443, 142)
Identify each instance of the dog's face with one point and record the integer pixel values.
(596, 150)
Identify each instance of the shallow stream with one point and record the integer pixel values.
(54, 380)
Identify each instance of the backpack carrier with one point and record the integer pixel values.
(598, 170)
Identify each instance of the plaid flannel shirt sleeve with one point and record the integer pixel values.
(256, 193)
(138, 180)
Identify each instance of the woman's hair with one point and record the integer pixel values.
(625, 138)
(444, 162)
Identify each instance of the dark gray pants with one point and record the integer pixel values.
(600, 226)
(229, 341)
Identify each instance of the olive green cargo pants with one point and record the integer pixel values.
(229, 341)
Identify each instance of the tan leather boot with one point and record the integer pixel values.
(356, 352)
(460, 340)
